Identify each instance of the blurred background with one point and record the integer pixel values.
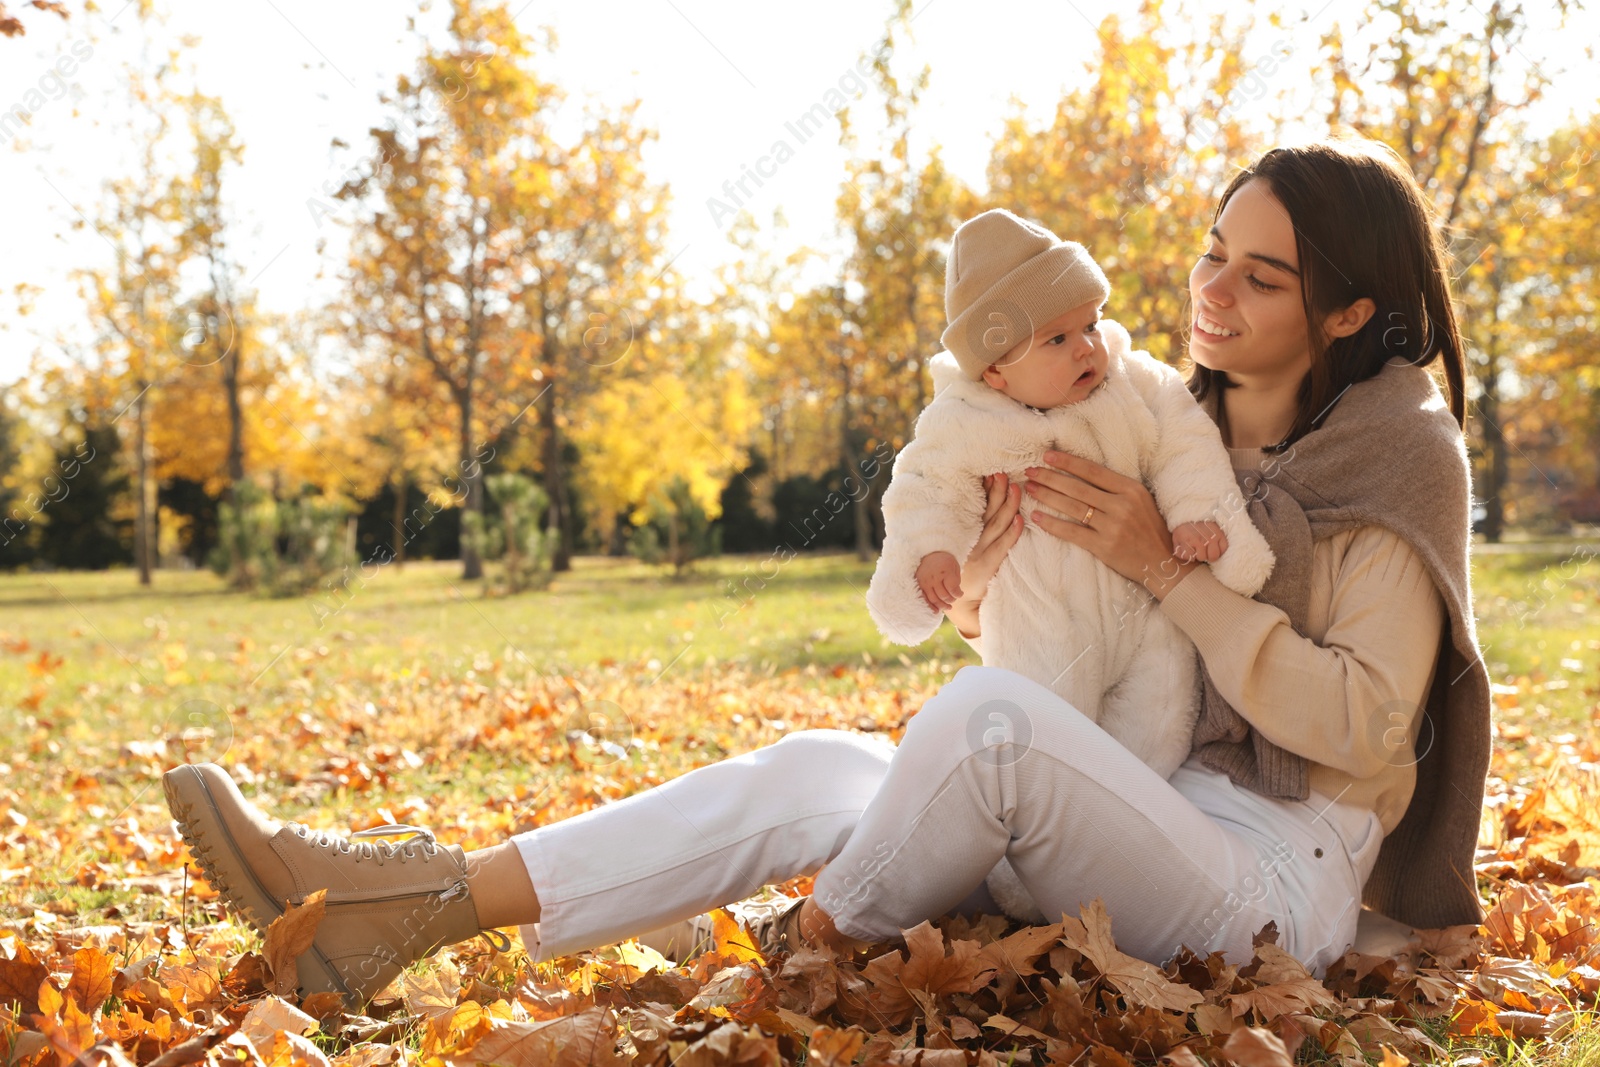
(293, 291)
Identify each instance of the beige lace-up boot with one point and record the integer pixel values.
(388, 904)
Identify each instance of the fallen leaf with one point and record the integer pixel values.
(1138, 980)
(732, 939)
(270, 1016)
(290, 935)
(20, 979)
(1252, 1046)
(587, 1039)
(834, 1048)
(92, 974)
(1016, 953)
(1282, 985)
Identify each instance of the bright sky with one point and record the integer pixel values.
(719, 80)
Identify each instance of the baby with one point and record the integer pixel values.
(1031, 367)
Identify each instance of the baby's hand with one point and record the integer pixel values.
(1202, 541)
(939, 578)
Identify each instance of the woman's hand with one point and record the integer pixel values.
(1002, 525)
(1125, 531)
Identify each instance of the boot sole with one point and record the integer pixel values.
(190, 800)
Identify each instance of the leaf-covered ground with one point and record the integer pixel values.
(473, 717)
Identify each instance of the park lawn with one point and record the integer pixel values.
(410, 697)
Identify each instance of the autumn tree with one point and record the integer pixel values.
(1451, 104)
(208, 330)
(512, 265)
(1131, 164)
(663, 435)
(432, 257)
(590, 279)
(133, 303)
(898, 207)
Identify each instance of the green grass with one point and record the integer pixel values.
(110, 632)
(1539, 618)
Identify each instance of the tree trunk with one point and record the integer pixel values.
(141, 537)
(674, 549)
(555, 484)
(863, 514)
(400, 521)
(472, 474)
(1494, 439)
(230, 385)
(1494, 442)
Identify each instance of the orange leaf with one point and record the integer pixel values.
(587, 1039)
(92, 974)
(1391, 1058)
(834, 1048)
(72, 1035)
(50, 999)
(733, 939)
(290, 935)
(20, 979)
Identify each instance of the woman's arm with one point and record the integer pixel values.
(1350, 701)
(1125, 531)
(1002, 525)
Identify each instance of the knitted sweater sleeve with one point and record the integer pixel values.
(1348, 699)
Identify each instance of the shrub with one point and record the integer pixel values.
(279, 547)
(510, 533)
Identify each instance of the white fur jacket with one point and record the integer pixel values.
(1053, 612)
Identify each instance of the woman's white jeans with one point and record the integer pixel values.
(993, 765)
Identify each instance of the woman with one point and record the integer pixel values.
(1343, 742)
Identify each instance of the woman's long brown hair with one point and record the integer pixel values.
(1362, 227)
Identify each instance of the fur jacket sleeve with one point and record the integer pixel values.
(1142, 423)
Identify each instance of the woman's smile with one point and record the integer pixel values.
(1210, 329)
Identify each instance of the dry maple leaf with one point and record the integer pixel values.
(834, 1048)
(273, 1015)
(731, 1045)
(809, 981)
(732, 939)
(92, 975)
(290, 935)
(741, 992)
(925, 967)
(964, 970)
(1252, 1046)
(20, 979)
(429, 995)
(1016, 953)
(1282, 985)
(587, 1039)
(1453, 946)
(71, 1033)
(1138, 980)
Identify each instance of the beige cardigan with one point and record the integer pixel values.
(1373, 626)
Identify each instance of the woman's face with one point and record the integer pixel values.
(1249, 318)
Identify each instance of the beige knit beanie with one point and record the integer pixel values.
(1005, 278)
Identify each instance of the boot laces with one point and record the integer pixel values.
(419, 837)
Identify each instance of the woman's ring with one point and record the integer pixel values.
(1087, 515)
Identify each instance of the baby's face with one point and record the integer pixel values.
(1062, 363)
